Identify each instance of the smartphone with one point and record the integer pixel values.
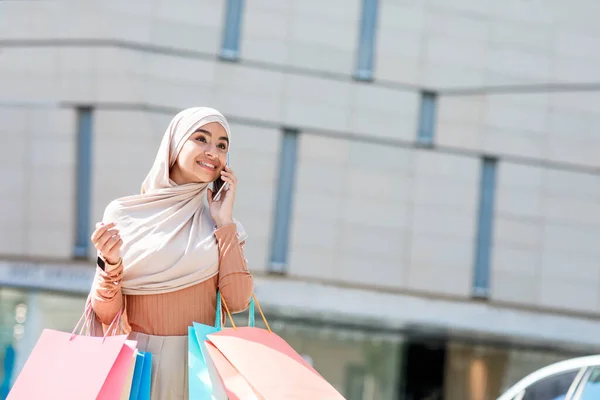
(219, 184)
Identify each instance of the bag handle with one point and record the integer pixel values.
(251, 317)
(86, 319)
(252, 301)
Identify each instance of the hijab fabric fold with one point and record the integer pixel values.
(168, 234)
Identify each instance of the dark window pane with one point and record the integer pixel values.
(554, 387)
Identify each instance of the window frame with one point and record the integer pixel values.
(83, 181)
(231, 35)
(428, 110)
(484, 239)
(283, 211)
(364, 63)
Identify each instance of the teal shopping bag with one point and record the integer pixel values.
(142, 377)
(200, 384)
(203, 379)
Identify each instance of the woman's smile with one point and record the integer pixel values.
(207, 165)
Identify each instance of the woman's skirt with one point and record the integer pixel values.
(169, 364)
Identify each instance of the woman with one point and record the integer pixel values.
(163, 254)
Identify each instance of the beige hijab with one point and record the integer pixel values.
(168, 234)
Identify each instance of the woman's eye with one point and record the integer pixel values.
(201, 138)
(222, 146)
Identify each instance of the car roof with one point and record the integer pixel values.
(566, 365)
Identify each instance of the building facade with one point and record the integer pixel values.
(419, 179)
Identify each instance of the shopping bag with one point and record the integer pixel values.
(268, 364)
(9, 363)
(83, 367)
(236, 386)
(142, 376)
(203, 379)
(146, 381)
(233, 385)
(72, 366)
(121, 374)
(137, 375)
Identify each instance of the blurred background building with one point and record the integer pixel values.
(419, 178)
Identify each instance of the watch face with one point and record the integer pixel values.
(101, 263)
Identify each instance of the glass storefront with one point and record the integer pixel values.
(360, 363)
(23, 316)
(480, 372)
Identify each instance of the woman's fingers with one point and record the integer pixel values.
(107, 241)
(229, 173)
(113, 244)
(229, 177)
(111, 249)
(106, 237)
(101, 229)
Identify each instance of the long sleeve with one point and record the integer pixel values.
(170, 314)
(106, 297)
(235, 282)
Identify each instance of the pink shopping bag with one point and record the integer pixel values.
(236, 386)
(271, 366)
(69, 366)
(82, 368)
(267, 364)
(121, 374)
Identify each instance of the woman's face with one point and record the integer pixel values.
(203, 156)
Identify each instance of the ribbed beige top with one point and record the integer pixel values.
(170, 314)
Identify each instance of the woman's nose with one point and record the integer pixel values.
(210, 151)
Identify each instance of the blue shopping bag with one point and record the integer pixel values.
(142, 377)
(146, 379)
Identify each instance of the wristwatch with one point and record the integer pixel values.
(101, 263)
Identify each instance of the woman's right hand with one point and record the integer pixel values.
(108, 242)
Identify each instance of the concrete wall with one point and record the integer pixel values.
(370, 207)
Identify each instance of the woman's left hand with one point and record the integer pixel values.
(221, 210)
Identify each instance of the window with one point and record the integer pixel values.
(554, 387)
(427, 119)
(483, 249)
(354, 377)
(84, 181)
(366, 41)
(230, 47)
(283, 203)
(591, 389)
